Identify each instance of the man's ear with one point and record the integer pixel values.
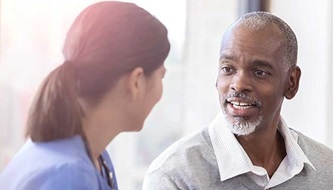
(136, 83)
(293, 82)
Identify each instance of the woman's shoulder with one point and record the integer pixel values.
(56, 164)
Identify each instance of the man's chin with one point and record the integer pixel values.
(241, 126)
(241, 130)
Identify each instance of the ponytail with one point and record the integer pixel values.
(55, 112)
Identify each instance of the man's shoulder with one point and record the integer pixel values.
(183, 151)
(321, 157)
(318, 153)
(310, 145)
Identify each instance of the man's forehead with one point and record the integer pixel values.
(270, 34)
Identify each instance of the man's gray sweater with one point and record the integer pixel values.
(194, 167)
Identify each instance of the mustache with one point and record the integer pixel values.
(243, 96)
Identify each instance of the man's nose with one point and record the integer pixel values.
(241, 82)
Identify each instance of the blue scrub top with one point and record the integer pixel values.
(60, 164)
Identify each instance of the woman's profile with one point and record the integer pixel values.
(110, 80)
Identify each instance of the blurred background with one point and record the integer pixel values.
(32, 34)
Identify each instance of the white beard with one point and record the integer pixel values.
(244, 128)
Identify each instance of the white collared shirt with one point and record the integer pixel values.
(233, 161)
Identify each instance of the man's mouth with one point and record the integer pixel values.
(242, 107)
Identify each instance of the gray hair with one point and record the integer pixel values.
(259, 20)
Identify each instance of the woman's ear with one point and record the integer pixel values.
(293, 82)
(136, 83)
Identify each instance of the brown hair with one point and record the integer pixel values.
(106, 40)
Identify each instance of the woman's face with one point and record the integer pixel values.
(154, 89)
(126, 112)
(150, 93)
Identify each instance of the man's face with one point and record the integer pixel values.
(251, 78)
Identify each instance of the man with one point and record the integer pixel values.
(248, 145)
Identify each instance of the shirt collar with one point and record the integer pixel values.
(231, 157)
(294, 152)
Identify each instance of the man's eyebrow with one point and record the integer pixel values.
(227, 56)
(262, 63)
(256, 62)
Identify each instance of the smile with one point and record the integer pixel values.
(240, 107)
(242, 103)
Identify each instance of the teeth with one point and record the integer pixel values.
(240, 104)
(241, 107)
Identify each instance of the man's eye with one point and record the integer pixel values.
(226, 69)
(260, 73)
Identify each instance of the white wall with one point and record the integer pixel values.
(329, 110)
(308, 112)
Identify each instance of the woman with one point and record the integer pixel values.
(109, 82)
